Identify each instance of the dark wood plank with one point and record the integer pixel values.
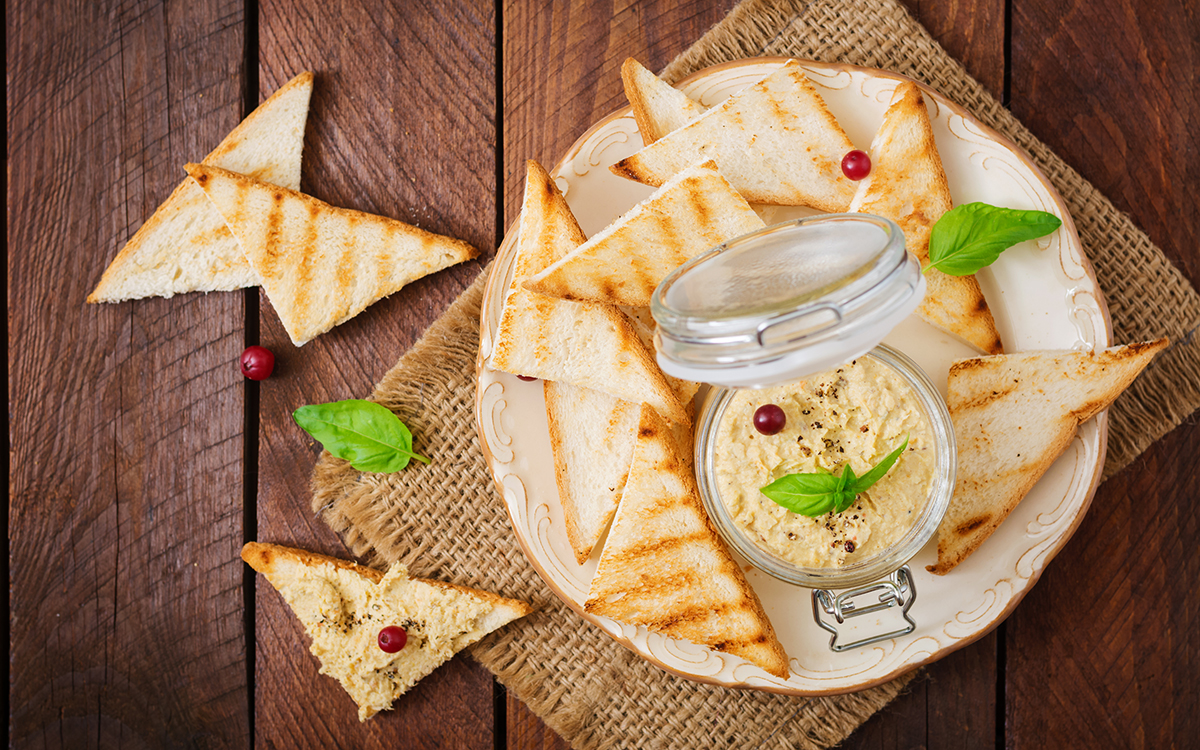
(402, 124)
(972, 31)
(125, 488)
(1103, 652)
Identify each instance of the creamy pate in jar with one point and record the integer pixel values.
(856, 414)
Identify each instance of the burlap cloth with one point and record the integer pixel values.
(448, 521)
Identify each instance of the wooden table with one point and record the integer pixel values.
(140, 460)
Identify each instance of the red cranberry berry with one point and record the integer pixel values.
(769, 419)
(392, 638)
(856, 165)
(257, 363)
(526, 378)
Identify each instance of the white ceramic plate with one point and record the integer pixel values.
(1043, 296)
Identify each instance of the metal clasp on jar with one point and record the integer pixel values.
(896, 591)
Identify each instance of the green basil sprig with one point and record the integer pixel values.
(818, 493)
(972, 236)
(364, 433)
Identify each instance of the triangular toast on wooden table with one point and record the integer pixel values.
(663, 565)
(321, 265)
(343, 607)
(185, 246)
(907, 184)
(1014, 415)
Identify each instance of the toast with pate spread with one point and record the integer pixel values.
(344, 606)
(907, 184)
(663, 565)
(1013, 416)
(586, 344)
(321, 265)
(694, 211)
(185, 246)
(658, 107)
(776, 142)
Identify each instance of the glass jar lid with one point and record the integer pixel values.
(786, 301)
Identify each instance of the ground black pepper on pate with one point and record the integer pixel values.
(857, 413)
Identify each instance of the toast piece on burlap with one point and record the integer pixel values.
(776, 142)
(1013, 416)
(343, 606)
(185, 246)
(907, 184)
(658, 107)
(321, 265)
(692, 212)
(592, 435)
(664, 566)
(585, 344)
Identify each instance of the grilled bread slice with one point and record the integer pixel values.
(343, 606)
(908, 185)
(664, 567)
(185, 246)
(1013, 416)
(592, 435)
(320, 265)
(694, 211)
(586, 344)
(658, 107)
(776, 142)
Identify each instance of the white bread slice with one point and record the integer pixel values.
(585, 344)
(1013, 416)
(343, 606)
(321, 265)
(185, 246)
(692, 212)
(658, 107)
(664, 566)
(907, 184)
(592, 435)
(776, 142)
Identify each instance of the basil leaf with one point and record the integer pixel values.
(364, 433)
(876, 473)
(806, 494)
(972, 236)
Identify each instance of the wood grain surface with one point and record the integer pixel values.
(140, 460)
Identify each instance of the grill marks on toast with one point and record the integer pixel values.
(1013, 416)
(586, 344)
(664, 566)
(907, 184)
(321, 265)
(185, 246)
(694, 211)
(782, 116)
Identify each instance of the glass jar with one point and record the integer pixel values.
(782, 303)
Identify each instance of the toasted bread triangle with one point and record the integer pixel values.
(776, 142)
(343, 606)
(586, 344)
(664, 567)
(692, 212)
(1013, 416)
(658, 107)
(321, 265)
(907, 184)
(185, 246)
